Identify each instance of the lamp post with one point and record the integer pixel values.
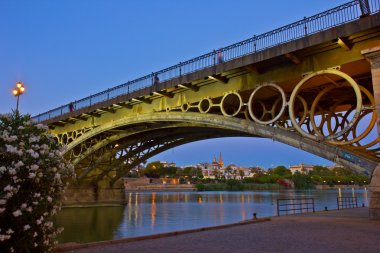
(17, 91)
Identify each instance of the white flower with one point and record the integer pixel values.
(32, 175)
(21, 128)
(49, 199)
(23, 206)
(10, 231)
(3, 169)
(34, 167)
(2, 210)
(4, 237)
(35, 234)
(8, 188)
(57, 176)
(40, 126)
(12, 172)
(17, 213)
(10, 148)
(19, 164)
(12, 138)
(35, 244)
(26, 227)
(33, 153)
(34, 139)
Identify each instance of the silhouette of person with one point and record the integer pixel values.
(219, 55)
(71, 107)
(156, 80)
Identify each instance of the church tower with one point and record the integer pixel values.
(220, 160)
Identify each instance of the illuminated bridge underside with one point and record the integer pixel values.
(123, 144)
(314, 93)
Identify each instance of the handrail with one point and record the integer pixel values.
(302, 28)
(346, 202)
(300, 205)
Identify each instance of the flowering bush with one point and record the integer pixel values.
(33, 175)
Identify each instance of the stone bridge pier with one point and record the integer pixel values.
(373, 55)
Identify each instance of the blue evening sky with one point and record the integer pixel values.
(66, 50)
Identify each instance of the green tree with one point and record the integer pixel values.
(167, 171)
(302, 181)
(152, 169)
(234, 185)
(281, 171)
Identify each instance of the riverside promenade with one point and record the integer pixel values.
(347, 230)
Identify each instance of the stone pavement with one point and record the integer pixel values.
(347, 230)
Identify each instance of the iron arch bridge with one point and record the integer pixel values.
(327, 113)
(310, 84)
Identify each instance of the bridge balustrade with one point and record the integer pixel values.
(334, 17)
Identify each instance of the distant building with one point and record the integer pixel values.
(335, 166)
(167, 164)
(232, 171)
(302, 168)
(205, 167)
(214, 169)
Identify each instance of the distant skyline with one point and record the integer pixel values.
(66, 50)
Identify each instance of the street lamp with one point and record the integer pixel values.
(20, 89)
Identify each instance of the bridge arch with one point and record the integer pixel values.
(142, 136)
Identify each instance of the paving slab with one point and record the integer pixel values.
(347, 230)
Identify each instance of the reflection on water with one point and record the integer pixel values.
(86, 224)
(158, 212)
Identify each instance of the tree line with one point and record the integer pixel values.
(279, 175)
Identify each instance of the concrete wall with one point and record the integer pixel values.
(85, 196)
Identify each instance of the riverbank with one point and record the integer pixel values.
(347, 230)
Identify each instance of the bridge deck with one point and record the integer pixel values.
(289, 43)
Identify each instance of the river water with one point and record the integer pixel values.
(158, 212)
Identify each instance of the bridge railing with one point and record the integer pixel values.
(334, 17)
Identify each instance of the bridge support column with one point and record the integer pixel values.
(373, 56)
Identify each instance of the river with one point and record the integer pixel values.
(158, 212)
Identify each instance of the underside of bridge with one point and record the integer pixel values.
(317, 93)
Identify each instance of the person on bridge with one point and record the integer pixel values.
(219, 55)
(71, 107)
(156, 80)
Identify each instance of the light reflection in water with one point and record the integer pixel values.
(152, 213)
(242, 206)
(365, 196)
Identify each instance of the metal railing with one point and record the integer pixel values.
(293, 206)
(334, 17)
(346, 202)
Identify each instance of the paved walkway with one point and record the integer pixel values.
(346, 231)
